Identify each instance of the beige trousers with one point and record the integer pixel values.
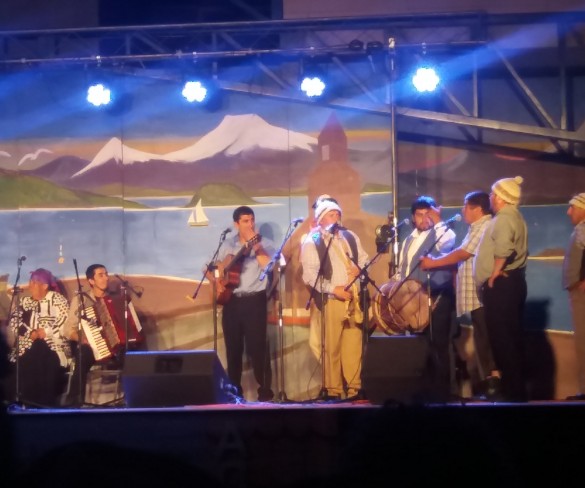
(343, 348)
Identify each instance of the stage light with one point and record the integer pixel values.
(313, 86)
(426, 79)
(99, 95)
(195, 91)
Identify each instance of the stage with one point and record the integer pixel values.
(294, 444)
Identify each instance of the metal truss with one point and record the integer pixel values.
(367, 55)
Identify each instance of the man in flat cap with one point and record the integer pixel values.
(574, 283)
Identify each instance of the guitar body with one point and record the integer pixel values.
(231, 269)
(229, 279)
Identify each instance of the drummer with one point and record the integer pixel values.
(431, 236)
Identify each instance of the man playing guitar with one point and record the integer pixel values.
(244, 316)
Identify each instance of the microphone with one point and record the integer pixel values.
(297, 221)
(126, 284)
(21, 260)
(450, 222)
(401, 223)
(333, 228)
(226, 232)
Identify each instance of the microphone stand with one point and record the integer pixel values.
(16, 291)
(125, 286)
(211, 268)
(323, 393)
(365, 279)
(81, 315)
(282, 398)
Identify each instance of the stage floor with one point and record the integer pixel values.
(323, 443)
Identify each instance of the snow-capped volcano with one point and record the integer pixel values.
(238, 134)
(116, 151)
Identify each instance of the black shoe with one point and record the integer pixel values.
(579, 397)
(265, 395)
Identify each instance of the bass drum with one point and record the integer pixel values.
(402, 306)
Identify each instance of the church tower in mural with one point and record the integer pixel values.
(333, 174)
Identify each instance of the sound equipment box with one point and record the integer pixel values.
(396, 370)
(174, 378)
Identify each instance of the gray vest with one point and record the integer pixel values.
(440, 279)
(326, 261)
(574, 262)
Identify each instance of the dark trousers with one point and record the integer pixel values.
(41, 378)
(244, 325)
(440, 334)
(504, 309)
(80, 371)
(481, 341)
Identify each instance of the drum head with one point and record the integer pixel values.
(401, 307)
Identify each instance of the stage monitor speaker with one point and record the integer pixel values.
(174, 378)
(395, 370)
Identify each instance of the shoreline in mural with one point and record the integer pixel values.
(182, 251)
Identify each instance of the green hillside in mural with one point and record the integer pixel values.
(19, 191)
(220, 194)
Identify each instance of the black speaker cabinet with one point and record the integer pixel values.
(396, 370)
(174, 378)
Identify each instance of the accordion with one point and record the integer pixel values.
(107, 337)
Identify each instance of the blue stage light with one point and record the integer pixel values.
(426, 80)
(313, 86)
(99, 94)
(194, 91)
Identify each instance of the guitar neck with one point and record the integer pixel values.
(241, 252)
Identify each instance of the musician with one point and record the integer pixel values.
(244, 317)
(98, 279)
(343, 336)
(499, 268)
(43, 353)
(476, 213)
(431, 236)
(574, 283)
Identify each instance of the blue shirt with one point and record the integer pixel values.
(251, 269)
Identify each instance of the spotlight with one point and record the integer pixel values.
(194, 91)
(426, 79)
(99, 94)
(313, 86)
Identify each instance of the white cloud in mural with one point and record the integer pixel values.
(237, 134)
(33, 156)
(4, 154)
(115, 150)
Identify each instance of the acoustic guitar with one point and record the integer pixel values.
(231, 269)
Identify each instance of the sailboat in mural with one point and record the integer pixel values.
(198, 217)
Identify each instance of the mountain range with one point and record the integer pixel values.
(261, 158)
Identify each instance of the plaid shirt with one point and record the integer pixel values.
(467, 292)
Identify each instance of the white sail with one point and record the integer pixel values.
(198, 216)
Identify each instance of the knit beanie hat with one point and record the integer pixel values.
(320, 198)
(508, 189)
(578, 201)
(323, 207)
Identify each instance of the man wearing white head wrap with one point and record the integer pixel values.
(574, 283)
(499, 269)
(343, 336)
